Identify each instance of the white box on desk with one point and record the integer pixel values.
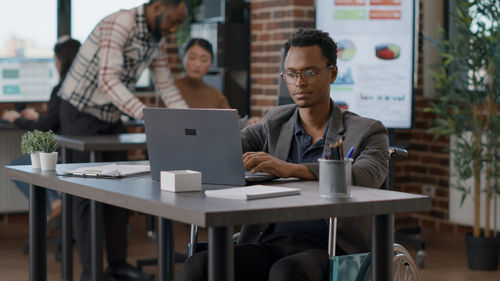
(180, 180)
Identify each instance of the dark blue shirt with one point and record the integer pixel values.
(302, 151)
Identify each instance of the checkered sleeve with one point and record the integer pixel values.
(164, 80)
(114, 36)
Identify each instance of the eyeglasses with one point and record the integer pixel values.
(291, 77)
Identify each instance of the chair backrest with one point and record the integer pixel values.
(355, 267)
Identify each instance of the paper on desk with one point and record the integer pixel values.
(110, 170)
(252, 192)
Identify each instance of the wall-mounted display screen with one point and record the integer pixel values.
(27, 79)
(375, 57)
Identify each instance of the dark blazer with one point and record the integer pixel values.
(369, 137)
(47, 121)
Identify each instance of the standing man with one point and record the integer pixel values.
(97, 90)
(288, 143)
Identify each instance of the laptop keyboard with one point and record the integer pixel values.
(258, 177)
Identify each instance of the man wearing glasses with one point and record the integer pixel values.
(288, 143)
(97, 91)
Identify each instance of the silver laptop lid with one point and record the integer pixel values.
(205, 140)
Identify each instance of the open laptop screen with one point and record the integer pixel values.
(204, 140)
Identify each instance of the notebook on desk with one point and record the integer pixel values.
(252, 192)
(204, 140)
(109, 171)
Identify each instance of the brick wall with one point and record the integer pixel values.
(427, 166)
(271, 22)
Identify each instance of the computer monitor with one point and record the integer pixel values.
(27, 79)
(144, 82)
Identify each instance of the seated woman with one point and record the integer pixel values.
(65, 51)
(198, 57)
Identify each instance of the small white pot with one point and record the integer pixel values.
(35, 160)
(48, 161)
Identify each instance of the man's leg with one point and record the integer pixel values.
(115, 230)
(306, 265)
(252, 262)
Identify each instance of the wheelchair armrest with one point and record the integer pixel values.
(396, 152)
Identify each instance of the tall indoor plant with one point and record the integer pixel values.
(468, 99)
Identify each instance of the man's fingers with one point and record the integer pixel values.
(265, 167)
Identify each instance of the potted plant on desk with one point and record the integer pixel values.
(42, 147)
(30, 145)
(466, 109)
(47, 142)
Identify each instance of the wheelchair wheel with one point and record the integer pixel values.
(404, 268)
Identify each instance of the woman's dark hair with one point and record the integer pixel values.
(312, 37)
(65, 50)
(200, 42)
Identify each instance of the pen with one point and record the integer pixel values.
(350, 152)
(335, 151)
(341, 147)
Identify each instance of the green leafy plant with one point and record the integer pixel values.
(28, 143)
(468, 99)
(38, 141)
(47, 142)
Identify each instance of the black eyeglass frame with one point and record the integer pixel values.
(301, 73)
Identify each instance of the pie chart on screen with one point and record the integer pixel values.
(387, 51)
(346, 49)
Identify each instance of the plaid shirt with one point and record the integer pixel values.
(109, 63)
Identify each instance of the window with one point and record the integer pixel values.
(85, 14)
(27, 36)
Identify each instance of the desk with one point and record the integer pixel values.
(91, 144)
(218, 215)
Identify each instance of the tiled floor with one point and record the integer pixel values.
(445, 260)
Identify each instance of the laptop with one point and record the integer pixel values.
(204, 140)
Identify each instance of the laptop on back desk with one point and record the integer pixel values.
(204, 140)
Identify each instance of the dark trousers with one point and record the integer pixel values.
(115, 219)
(274, 260)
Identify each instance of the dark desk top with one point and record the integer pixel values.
(6, 125)
(104, 142)
(142, 194)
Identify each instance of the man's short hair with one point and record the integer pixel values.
(171, 2)
(312, 37)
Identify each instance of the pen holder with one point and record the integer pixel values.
(335, 178)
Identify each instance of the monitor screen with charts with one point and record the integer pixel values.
(375, 57)
(27, 79)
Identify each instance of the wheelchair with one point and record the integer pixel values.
(356, 267)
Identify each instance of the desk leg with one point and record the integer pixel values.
(382, 245)
(165, 250)
(93, 156)
(64, 155)
(220, 254)
(96, 239)
(67, 237)
(38, 233)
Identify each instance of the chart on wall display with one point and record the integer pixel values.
(27, 79)
(375, 45)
